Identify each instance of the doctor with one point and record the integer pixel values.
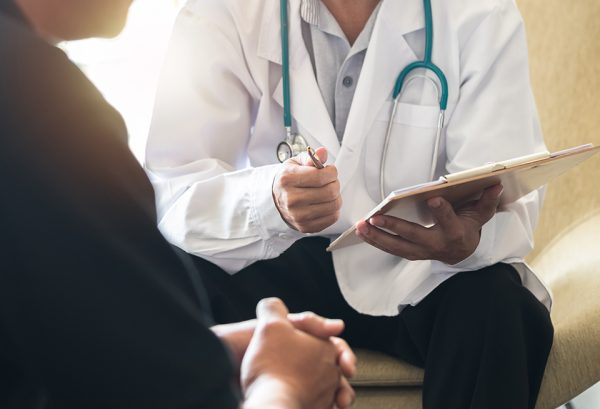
(457, 298)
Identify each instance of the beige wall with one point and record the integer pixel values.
(564, 47)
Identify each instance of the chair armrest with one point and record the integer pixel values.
(571, 266)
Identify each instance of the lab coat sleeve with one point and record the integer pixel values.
(210, 202)
(495, 118)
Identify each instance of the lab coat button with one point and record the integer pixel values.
(347, 81)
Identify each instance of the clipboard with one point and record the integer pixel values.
(519, 176)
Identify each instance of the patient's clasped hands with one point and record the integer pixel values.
(290, 360)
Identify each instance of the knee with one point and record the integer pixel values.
(514, 310)
(535, 319)
(510, 299)
(494, 299)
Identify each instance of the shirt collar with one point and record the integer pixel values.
(313, 13)
(309, 11)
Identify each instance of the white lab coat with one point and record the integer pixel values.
(218, 119)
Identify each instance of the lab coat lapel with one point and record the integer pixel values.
(308, 107)
(387, 55)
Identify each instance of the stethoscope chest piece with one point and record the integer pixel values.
(293, 145)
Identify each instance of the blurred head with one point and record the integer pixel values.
(76, 19)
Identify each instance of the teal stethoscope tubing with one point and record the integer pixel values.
(285, 67)
(426, 64)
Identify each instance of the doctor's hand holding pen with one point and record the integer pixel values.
(453, 238)
(308, 197)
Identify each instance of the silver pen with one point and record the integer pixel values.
(315, 159)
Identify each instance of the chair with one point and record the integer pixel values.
(564, 42)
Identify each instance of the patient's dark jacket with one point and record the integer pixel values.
(97, 310)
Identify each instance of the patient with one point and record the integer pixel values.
(96, 309)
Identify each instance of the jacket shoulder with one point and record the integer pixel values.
(39, 81)
(29, 63)
(464, 17)
(20, 48)
(477, 7)
(246, 16)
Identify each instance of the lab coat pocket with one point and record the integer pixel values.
(409, 148)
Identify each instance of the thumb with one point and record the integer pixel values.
(488, 203)
(321, 153)
(316, 325)
(304, 159)
(271, 309)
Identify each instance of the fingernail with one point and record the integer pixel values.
(376, 221)
(435, 202)
(500, 192)
(363, 229)
(335, 322)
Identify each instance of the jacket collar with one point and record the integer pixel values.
(401, 17)
(307, 105)
(379, 74)
(395, 19)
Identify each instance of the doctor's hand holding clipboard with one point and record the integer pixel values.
(307, 194)
(453, 238)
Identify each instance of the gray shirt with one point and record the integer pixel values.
(336, 64)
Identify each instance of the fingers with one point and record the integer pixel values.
(299, 175)
(316, 325)
(320, 327)
(318, 225)
(322, 154)
(443, 214)
(412, 232)
(309, 210)
(389, 243)
(297, 197)
(301, 171)
(303, 211)
(345, 395)
(346, 357)
(271, 309)
(308, 199)
(488, 203)
(237, 337)
(483, 210)
(304, 159)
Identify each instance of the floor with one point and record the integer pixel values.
(589, 399)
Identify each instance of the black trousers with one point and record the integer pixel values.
(482, 338)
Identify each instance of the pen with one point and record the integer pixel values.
(313, 156)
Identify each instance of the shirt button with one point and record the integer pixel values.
(347, 81)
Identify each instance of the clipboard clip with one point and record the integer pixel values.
(494, 167)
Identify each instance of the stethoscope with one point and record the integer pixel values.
(295, 143)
